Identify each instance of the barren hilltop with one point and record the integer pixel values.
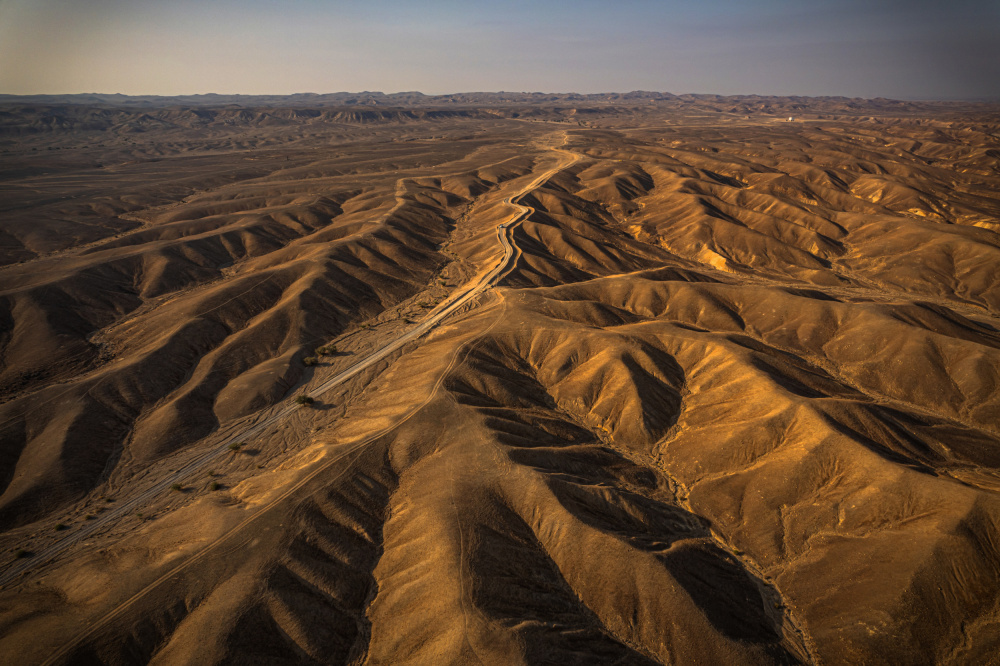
(499, 377)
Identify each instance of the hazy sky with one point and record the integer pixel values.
(892, 48)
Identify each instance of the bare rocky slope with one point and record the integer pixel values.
(737, 401)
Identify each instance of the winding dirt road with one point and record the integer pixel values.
(475, 287)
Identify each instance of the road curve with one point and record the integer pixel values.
(467, 293)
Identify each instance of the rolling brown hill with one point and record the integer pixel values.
(733, 399)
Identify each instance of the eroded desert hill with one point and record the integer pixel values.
(735, 399)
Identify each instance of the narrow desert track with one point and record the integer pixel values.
(460, 299)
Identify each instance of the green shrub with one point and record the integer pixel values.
(235, 446)
(60, 527)
(178, 487)
(310, 361)
(214, 485)
(304, 400)
(21, 553)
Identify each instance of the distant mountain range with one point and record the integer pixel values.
(411, 99)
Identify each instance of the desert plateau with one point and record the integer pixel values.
(499, 378)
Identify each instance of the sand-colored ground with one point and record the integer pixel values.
(722, 388)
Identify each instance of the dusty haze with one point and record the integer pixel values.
(904, 49)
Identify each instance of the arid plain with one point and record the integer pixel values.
(635, 379)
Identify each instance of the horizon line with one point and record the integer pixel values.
(984, 99)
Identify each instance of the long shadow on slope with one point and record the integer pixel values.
(639, 403)
(518, 585)
(793, 373)
(302, 580)
(630, 503)
(574, 240)
(923, 442)
(726, 592)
